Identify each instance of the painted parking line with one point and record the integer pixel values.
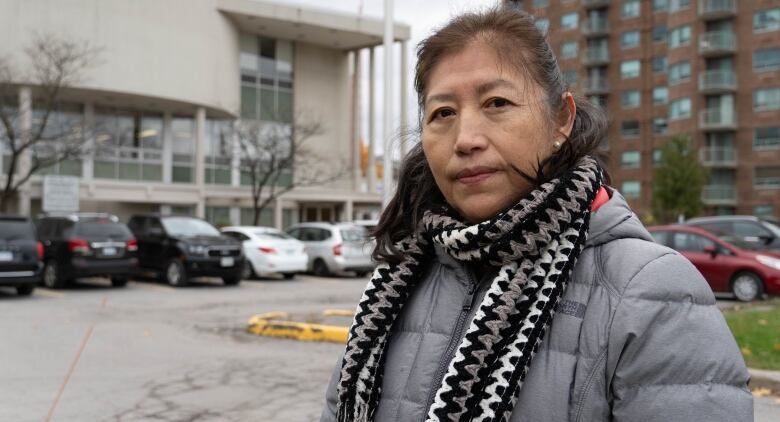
(42, 291)
(151, 286)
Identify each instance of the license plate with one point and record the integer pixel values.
(6, 256)
(226, 261)
(109, 251)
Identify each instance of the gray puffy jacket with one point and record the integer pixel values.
(637, 337)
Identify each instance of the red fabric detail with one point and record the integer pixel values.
(602, 196)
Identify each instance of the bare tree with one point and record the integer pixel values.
(54, 64)
(277, 159)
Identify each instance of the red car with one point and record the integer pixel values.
(728, 265)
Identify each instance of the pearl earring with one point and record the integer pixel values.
(557, 144)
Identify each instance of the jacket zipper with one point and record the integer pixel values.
(457, 333)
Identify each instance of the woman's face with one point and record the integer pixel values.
(480, 118)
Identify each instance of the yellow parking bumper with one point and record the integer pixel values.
(273, 324)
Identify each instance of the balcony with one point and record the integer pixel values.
(719, 195)
(717, 43)
(595, 27)
(717, 81)
(717, 119)
(596, 56)
(596, 86)
(717, 9)
(718, 157)
(593, 4)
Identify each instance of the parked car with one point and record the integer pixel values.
(335, 248)
(181, 247)
(269, 250)
(20, 254)
(761, 233)
(728, 265)
(86, 245)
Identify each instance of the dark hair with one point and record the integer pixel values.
(507, 30)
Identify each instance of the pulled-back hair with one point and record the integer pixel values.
(516, 39)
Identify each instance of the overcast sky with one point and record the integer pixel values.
(423, 17)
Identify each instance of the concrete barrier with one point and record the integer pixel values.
(275, 324)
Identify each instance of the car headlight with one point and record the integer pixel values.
(769, 261)
(196, 249)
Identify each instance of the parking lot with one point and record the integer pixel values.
(149, 352)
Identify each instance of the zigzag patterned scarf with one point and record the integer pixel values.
(535, 245)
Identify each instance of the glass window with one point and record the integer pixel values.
(218, 216)
(540, 3)
(745, 229)
(183, 139)
(630, 99)
(630, 160)
(266, 217)
(676, 5)
(219, 152)
(631, 189)
(630, 69)
(569, 49)
(629, 39)
(569, 20)
(660, 95)
(658, 156)
(766, 59)
(680, 36)
(690, 242)
(660, 5)
(629, 128)
(767, 137)
(662, 238)
(766, 20)
(630, 9)
(266, 89)
(766, 99)
(767, 177)
(570, 77)
(679, 72)
(659, 33)
(763, 211)
(128, 145)
(680, 109)
(542, 24)
(660, 125)
(659, 64)
(62, 136)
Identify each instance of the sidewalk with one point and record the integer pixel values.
(765, 378)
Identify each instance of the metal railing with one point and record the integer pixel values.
(718, 156)
(595, 26)
(717, 42)
(719, 194)
(718, 119)
(718, 80)
(596, 85)
(595, 3)
(717, 8)
(596, 56)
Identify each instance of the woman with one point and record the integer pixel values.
(502, 221)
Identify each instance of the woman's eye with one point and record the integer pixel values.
(498, 102)
(443, 113)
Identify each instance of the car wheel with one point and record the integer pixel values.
(288, 276)
(231, 281)
(247, 273)
(25, 290)
(175, 275)
(747, 287)
(51, 276)
(320, 268)
(119, 281)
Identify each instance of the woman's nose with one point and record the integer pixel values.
(471, 136)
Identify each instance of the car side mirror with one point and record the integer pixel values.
(712, 250)
(767, 239)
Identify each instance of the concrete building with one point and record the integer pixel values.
(172, 79)
(705, 68)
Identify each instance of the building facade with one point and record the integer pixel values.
(709, 69)
(172, 79)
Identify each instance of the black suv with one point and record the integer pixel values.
(760, 233)
(86, 245)
(20, 255)
(180, 247)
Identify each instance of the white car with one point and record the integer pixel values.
(268, 250)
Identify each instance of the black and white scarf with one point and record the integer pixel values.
(535, 245)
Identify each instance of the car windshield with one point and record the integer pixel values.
(102, 229)
(272, 235)
(16, 229)
(354, 234)
(773, 228)
(739, 242)
(185, 226)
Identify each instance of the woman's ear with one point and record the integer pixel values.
(569, 113)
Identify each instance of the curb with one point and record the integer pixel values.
(272, 324)
(765, 379)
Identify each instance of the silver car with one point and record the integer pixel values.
(335, 248)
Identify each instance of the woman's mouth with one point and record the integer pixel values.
(474, 175)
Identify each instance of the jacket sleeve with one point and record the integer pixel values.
(671, 355)
(331, 394)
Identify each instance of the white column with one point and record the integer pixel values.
(24, 163)
(166, 209)
(349, 210)
(88, 160)
(235, 216)
(235, 159)
(356, 174)
(278, 210)
(167, 149)
(387, 122)
(371, 122)
(200, 161)
(404, 99)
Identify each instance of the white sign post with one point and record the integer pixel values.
(60, 193)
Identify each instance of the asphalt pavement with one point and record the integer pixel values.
(149, 352)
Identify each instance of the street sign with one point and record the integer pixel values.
(60, 193)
